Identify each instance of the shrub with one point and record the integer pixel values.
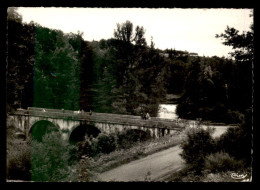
(18, 160)
(196, 146)
(103, 144)
(18, 154)
(234, 116)
(128, 138)
(84, 148)
(50, 158)
(11, 129)
(237, 141)
(221, 161)
(84, 169)
(123, 141)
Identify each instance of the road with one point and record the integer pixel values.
(159, 165)
(155, 167)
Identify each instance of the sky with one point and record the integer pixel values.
(191, 30)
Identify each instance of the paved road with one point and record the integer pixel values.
(154, 167)
(159, 165)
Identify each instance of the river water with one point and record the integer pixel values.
(167, 111)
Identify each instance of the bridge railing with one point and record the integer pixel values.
(47, 110)
(50, 110)
(106, 117)
(54, 114)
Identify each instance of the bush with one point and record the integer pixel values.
(237, 141)
(128, 138)
(221, 161)
(196, 146)
(50, 158)
(18, 154)
(11, 129)
(18, 160)
(84, 169)
(234, 116)
(103, 144)
(84, 148)
(106, 143)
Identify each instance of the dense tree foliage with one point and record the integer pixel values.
(20, 61)
(128, 77)
(219, 89)
(56, 70)
(50, 159)
(243, 45)
(47, 68)
(198, 144)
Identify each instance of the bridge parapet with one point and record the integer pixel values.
(130, 120)
(50, 110)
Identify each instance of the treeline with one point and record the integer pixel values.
(219, 89)
(47, 68)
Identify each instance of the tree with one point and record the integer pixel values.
(88, 73)
(241, 43)
(238, 141)
(12, 14)
(20, 61)
(198, 144)
(129, 77)
(139, 36)
(50, 159)
(152, 44)
(240, 87)
(56, 70)
(124, 32)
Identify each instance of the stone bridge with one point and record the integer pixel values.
(68, 121)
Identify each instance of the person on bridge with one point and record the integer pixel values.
(147, 116)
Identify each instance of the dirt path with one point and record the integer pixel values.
(154, 167)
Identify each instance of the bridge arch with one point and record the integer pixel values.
(79, 132)
(41, 127)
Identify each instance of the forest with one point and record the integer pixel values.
(125, 74)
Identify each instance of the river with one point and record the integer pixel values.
(168, 111)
